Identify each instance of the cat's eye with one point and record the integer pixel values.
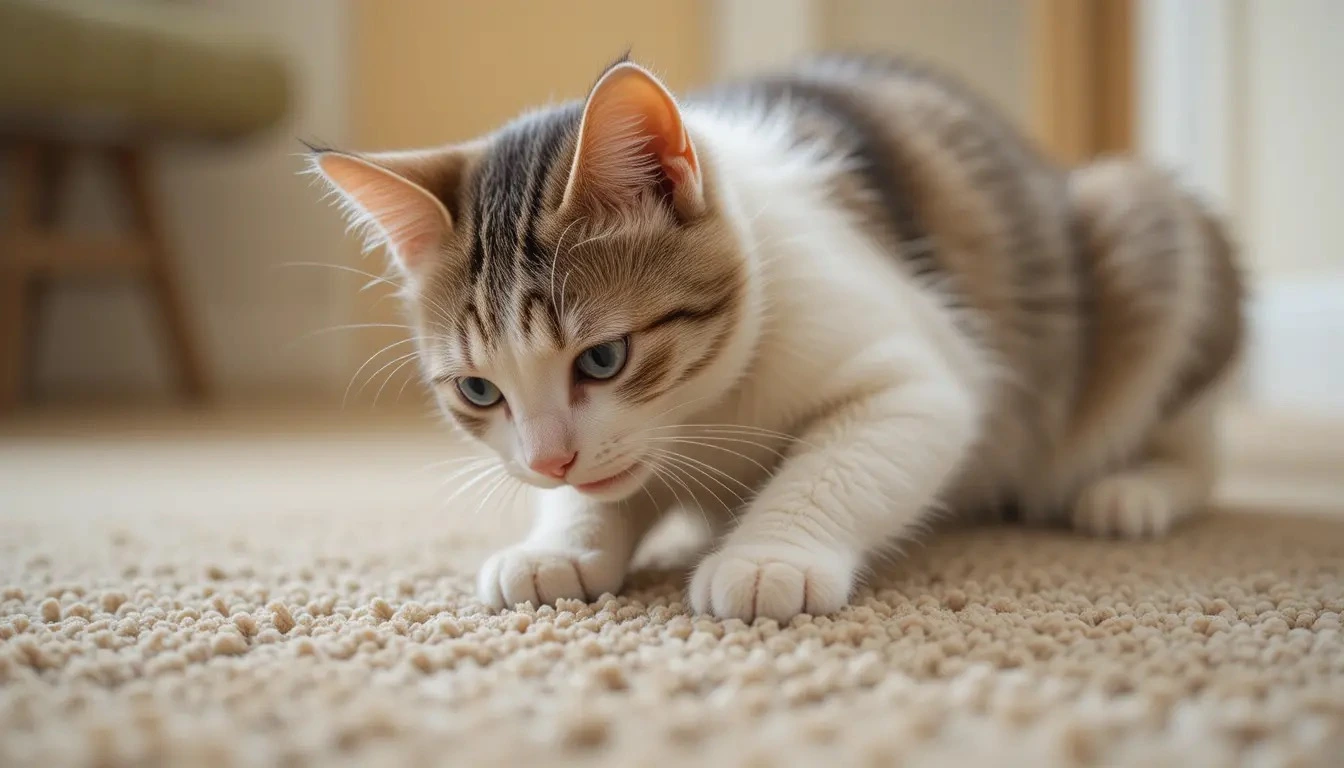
(602, 361)
(479, 392)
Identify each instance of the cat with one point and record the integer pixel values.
(819, 307)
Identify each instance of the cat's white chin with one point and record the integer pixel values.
(616, 486)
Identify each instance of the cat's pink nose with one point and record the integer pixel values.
(554, 465)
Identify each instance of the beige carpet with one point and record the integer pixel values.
(265, 592)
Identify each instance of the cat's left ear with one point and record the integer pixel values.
(632, 139)
(388, 196)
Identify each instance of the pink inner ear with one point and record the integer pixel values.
(405, 216)
(632, 137)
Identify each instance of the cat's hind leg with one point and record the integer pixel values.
(1165, 328)
(1172, 478)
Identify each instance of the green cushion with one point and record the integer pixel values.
(170, 69)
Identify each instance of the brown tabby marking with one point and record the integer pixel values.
(1220, 338)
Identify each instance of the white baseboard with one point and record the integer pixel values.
(1295, 357)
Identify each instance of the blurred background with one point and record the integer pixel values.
(203, 409)
(159, 240)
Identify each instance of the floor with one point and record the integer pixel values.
(293, 586)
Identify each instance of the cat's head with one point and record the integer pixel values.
(576, 279)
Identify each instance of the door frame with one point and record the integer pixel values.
(1083, 76)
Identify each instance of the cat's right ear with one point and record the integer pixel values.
(387, 197)
(631, 140)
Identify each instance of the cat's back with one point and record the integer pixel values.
(1108, 295)
(1045, 268)
(956, 194)
(962, 200)
(917, 145)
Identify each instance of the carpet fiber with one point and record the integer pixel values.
(202, 595)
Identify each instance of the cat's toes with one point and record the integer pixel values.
(1127, 506)
(541, 576)
(744, 582)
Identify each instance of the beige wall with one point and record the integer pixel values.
(982, 41)
(430, 71)
(234, 216)
(1290, 169)
(753, 36)
(1294, 119)
(427, 72)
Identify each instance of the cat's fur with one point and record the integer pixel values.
(854, 297)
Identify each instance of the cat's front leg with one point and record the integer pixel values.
(578, 548)
(859, 478)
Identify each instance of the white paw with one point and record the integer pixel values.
(540, 576)
(777, 582)
(1128, 506)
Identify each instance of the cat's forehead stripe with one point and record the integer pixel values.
(548, 156)
(511, 185)
(523, 162)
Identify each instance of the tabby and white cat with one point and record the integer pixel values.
(820, 307)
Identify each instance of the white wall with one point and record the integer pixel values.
(1244, 99)
(1295, 135)
(234, 215)
(1294, 199)
(1191, 88)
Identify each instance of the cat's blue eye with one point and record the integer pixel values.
(602, 361)
(479, 392)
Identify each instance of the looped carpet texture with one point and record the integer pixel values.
(292, 599)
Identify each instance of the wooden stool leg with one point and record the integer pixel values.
(133, 172)
(14, 325)
(53, 168)
(16, 312)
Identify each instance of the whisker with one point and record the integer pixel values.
(653, 503)
(740, 427)
(347, 327)
(489, 478)
(593, 239)
(664, 473)
(704, 469)
(733, 429)
(464, 471)
(669, 468)
(495, 484)
(654, 467)
(402, 390)
(684, 468)
(727, 429)
(739, 454)
(450, 462)
(691, 472)
(555, 257)
(480, 505)
(693, 400)
(719, 437)
(508, 500)
(441, 312)
(345, 397)
(563, 283)
(488, 472)
(376, 279)
(471, 468)
(406, 360)
(519, 488)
